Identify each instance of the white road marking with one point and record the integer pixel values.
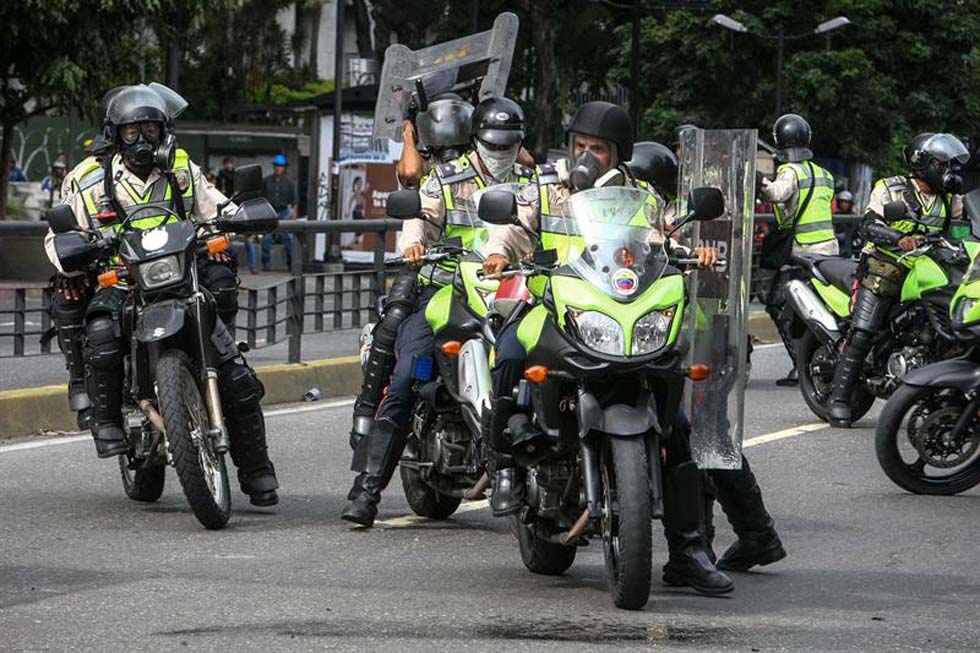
(409, 520)
(79, 437)
(785, 433)
(769, 346)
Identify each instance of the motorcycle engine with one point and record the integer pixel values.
(545, 487)
(447, 444)
(905, 360)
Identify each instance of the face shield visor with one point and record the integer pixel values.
(947, 156)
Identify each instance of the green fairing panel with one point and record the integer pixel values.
(473, 284)
(925, 275)
(437, 312)
(581, 295)
(838, 301)
(529, 330)
(972, 248)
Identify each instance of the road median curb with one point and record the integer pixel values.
(35, 410)
(45, 408)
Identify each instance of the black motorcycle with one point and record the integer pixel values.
(172, 405)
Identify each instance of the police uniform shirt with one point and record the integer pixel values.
(880, 196)
(206, 197)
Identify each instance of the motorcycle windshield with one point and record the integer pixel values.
(472, 206)
(617, 239)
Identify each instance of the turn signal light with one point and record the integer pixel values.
(536, 374)
(107, 279)
(451, 348)
(698, 372)
(218, 244)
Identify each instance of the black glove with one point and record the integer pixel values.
(878, 233)
(72, 287)
(759, 178)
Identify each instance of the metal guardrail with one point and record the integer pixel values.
(306, 303)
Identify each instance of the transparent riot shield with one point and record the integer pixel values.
(716, 321)
(479, 62)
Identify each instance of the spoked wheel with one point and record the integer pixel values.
(540, 555)
(815, 364)
(201, 471)
(142, 483)
(626, 537)
(915, 444)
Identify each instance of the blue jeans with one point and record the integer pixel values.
(415, 339)
(287, 240)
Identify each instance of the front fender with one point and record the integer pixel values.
(959, 373)
(617, 419)
(160, 321)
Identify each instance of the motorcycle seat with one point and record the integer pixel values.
(834, 270)
(839, 272)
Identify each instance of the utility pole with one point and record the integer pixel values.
(780, 56)
(635, 108)
(338, 98)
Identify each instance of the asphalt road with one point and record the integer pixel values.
(869, 566)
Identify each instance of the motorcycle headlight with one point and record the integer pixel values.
(161, 272)
(600, 332)
(962, 311)
(651, 331)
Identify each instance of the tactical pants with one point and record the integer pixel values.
(67, 316)
(775, 302)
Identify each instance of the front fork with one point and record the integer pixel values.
(218, 433)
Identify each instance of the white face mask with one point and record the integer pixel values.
(499, 163)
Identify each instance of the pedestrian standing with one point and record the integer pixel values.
(281, 193)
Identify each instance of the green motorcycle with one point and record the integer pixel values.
(918, 330)
(604, 378)
(928, 435)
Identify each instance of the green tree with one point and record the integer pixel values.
(54, 56)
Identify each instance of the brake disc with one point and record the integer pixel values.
(933, 438)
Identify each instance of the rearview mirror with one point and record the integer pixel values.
(706, 203)
(74, 250)
(248, 181)
(404, 205)
(895, 211)
(498, 207)
(61, 219)
(254, 216)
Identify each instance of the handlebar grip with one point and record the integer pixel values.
(693, 260)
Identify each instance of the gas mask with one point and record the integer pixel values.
(942, 178)
(584, 171)
(142, 146)
(499, 163)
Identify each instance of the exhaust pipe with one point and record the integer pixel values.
(156, 419)
(476, 492)
(813, 311)
(578, 528)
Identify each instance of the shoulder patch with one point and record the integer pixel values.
(431, 186)
(527, 194)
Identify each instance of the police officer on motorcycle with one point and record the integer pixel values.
(496, 132)
(737, 490)
(600, 145)
(144, 175)
(930, 194)
(801, 196)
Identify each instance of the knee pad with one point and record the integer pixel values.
(241, 390)
(66, 311)
(222, 283)
(103, 347)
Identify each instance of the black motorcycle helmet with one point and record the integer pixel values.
(607, 121)
(139, 123)
(938, 160)
(791, 134)
(100, 146)
(498, 121)
(444, 127)
(655, 164)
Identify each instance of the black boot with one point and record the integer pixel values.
(375, 458)
(507, 493)
(106, 390)
(688, 564)
(741, 498)
(845, 378)
(70, 338)
(790, 380)
(250, 453)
